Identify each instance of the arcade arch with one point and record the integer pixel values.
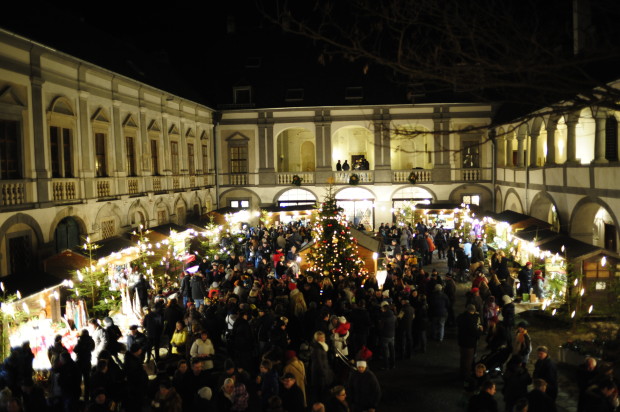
(353, 143)
(593, 222)
(295, 150)
(358, 204)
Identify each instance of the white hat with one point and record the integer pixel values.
(384, 303)
(361, 363)
(205, 393)
(342, 319)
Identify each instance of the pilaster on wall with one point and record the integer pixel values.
(441, 145)
(266, 155)
(323, 133)
(381, 123)
(41, 166)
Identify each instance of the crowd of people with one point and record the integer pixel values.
(250, 332)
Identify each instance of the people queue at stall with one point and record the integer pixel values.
(250, 332)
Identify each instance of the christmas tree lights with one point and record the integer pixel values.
(334, 253)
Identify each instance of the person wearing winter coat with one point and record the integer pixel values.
(198, 290)
(321, 375)
(203, 349)
(268, 382)
(296, 367)
(364, 389)
(438, 307)
(537, 284)
(83, 351)
(340, 335)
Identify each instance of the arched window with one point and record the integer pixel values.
(296, 197)
(67, 234)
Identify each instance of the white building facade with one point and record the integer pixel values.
(87, 152)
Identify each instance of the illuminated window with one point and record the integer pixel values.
(239, 204)
(471, 200)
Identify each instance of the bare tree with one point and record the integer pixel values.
(555, 54)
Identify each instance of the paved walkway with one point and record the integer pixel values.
(429, 382)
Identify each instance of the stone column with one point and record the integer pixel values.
(500, 151)
(599, 140)
(571, 142)
(533, 149)
(509, 150)
(520, 151)
(551, 145)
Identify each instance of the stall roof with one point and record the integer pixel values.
(575, 250)
(107, 246)
(276, 209)
(517, 219)
(536, 234)
(30, 283)
(169, 227)
(438, 206)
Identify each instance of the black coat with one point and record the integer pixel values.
(468, 329)
(364, 390)
(546, 369)
(482, 402)
(320, 372)
(292, 399)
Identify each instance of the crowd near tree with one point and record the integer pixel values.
(250, 332)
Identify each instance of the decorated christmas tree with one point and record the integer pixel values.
(335, 250)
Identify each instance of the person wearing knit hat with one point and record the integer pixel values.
(545, 368)
(525, 278)
(340, 334)
(295, 367)
(363, 389)
(538, 284)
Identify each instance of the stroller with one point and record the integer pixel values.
(495, 361)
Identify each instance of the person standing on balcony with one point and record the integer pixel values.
(346, 166)
(338, 166)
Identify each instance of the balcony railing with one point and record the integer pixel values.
(365, 176)
(12, 193)
(133, 186)
(104, 188)
(421, 175)
(64, 189)
(237, 179)
(287, 178)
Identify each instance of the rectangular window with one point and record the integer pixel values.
(131, 155)
(190, 159)
(174, 154)
(108, 228)
(100, 155)
(205, 159)
(161, 217)
(240, 204)
(239, 159)
(154, 158)
(60, 149)
(470, 154)
(10, 157)
(471, 199)
(242, 95)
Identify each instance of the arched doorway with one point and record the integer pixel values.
(592, 223)
(353, 144)
(67, 234)
(544, 209)
(358, 205)
(409, 197)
